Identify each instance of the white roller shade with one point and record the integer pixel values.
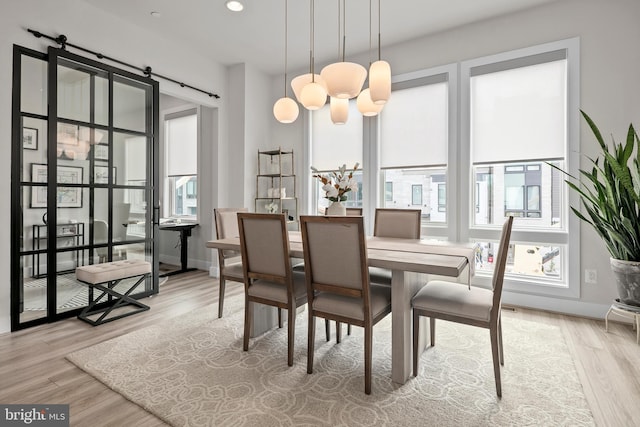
(414, 127)
(335, 145)
(519, 113)
(181, 134)
(135, 152)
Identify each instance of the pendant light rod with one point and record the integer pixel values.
(344, 29)
(379, 31)
(311, 42)
(370, 25)
(286, 31)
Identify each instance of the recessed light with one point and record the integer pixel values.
(155, 14)
(234, 5)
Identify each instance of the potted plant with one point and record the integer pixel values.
(610, 195)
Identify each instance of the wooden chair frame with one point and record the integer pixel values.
(494, 324)
(287, 280)
(221, 256)
(413, 212)
(314, 287)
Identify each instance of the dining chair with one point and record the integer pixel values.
(337, 279)
(268, 277)
(396, 223)
(457, 302)
(229, 261)
(349, 212)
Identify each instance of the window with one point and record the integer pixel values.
(414, 141)
(519, 107)
(334, 145)
(388, 191)
(181, 151)
(473, 142)
(442, 197)
(522, 191)
(416, 195)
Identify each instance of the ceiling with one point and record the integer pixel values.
(256, 35)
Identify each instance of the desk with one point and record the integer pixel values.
(408, 260)
(185, 232)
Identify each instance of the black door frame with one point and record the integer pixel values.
(17, 185)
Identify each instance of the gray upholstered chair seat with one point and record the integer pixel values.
(234, 270)
(277, 291)
(455, 299)
(473, 306)
(380, 276)
(352, 307)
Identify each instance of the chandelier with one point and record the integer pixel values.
(342, 80)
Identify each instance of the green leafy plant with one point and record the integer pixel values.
(610, 194)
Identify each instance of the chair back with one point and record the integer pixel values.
(264, 245)
(226, 223)
(100, 236)
(335, 256)
(398, 223)
(501, 265)
(349, 211)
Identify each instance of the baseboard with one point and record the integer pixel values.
(192, 263)
(557, 305)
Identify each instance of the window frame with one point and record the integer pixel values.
(450, 74)
(567, 238)
(167, 200)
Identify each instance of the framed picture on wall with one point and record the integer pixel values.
(101, 152)
(67, 134)
(30, 138)
(101, 174)
(68, 197)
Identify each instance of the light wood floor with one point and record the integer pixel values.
(33, 368)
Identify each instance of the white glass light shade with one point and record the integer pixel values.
(299, 82)
(339, 109)
(380, 81)
(344, 79)
(286, 110)
(313, 96)
(234, 5)
(366, 105)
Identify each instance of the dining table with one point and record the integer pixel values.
(409, 261)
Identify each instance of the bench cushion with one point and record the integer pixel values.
(108, 271)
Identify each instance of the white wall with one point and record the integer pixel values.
(610, 84)
(92, 28)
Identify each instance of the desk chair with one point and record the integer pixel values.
(338, 285)
(268, 277)
(101, 236)
(456, 302)
(229, 262)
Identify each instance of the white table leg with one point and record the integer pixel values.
(404, 286)
(265, 317)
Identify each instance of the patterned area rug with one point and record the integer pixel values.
(192, 371)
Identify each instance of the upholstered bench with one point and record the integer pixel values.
(105, 277)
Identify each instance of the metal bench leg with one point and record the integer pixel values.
(118, 300)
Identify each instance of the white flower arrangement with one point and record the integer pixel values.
(336, 185)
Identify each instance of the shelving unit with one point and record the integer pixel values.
(276, 184)
(73, 232)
